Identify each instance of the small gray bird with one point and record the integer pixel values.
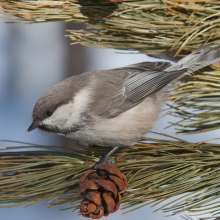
(113, 107)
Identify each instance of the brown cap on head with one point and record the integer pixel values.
(58, 95)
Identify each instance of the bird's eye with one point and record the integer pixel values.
(49, 113)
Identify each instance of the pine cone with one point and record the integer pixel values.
(100, 189)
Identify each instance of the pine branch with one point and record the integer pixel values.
(185, 217)
(196, 102)
(156, 169)
(149, 26)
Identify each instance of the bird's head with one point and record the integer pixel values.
(56, 110)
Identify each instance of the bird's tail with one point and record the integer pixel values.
(198, 59)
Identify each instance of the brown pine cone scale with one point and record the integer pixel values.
(100, 190)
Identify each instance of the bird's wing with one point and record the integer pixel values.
(145, 66)
(138, 86)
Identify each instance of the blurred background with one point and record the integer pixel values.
(35, 57)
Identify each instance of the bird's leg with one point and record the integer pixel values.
(105, 159)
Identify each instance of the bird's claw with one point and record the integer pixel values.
(106, 159)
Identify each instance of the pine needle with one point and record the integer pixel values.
(157, 171)
(149, 26)
(196, 102)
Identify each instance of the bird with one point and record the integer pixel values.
(116, 107)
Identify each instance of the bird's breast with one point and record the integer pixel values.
(124, 129)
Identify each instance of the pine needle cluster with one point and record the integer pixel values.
(149, 26)
(157, 170)
(196, 102)
(175, 175)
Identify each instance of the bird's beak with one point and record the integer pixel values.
(32, 127)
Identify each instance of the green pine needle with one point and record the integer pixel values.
(157, 171)
(196, 102)
(149, 26)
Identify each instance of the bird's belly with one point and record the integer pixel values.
(124, 129)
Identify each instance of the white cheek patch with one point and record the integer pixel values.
(70, 114)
